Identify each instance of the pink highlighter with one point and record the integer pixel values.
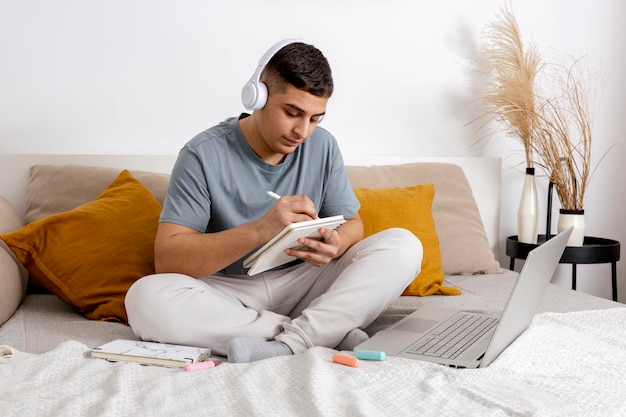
(201, 365)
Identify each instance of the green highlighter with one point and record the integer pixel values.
(370, 355)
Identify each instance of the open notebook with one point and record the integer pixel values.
(272, 254)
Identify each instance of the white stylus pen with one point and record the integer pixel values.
(273, 195)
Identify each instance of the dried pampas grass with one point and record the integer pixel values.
(563, 137)
(512, 68)
(549, 113)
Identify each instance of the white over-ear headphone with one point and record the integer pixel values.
(254, 93)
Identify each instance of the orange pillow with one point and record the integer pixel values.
(91, 255)
(409, 208)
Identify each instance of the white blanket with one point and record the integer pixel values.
(565, 364)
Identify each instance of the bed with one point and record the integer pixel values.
(570, 361)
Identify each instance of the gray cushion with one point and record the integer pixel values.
(13, 276)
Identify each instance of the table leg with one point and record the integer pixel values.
(512, 264)
(614, 280)
(574, 276)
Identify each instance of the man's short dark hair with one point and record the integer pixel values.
(301, 65)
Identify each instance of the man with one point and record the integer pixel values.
(217, 212)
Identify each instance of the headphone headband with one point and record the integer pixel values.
(254, 92)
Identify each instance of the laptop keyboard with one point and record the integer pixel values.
(454, 336)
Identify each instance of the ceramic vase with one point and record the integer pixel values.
(574, 218)
(528, 211)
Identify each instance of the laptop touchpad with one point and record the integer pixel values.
(416, 325)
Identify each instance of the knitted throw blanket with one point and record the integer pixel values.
(566, 364)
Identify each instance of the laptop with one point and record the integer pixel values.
(473, 340)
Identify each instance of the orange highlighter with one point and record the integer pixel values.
(345, 360)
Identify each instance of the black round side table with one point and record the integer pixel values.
(595, 250)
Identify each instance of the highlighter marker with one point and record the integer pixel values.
(201, 365)
(345, 360)
(370, 355)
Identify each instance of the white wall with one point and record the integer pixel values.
(140, 76)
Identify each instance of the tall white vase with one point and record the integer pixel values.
(528, 211)
(574, 218)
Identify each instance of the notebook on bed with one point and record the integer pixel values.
(471, 340)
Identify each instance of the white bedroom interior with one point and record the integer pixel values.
(143, 77)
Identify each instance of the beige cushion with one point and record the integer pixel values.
(13, 276)
(462, 239)
(57, 188)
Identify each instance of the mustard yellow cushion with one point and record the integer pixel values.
(91, 255)
(409, 208)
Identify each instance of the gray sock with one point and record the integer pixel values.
(250, 349)
(352, 339)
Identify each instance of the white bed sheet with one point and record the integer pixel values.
(566, 364)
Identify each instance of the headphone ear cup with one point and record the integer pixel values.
(254, 95)
(261, 100)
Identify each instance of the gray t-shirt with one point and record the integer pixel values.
(218, 182)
